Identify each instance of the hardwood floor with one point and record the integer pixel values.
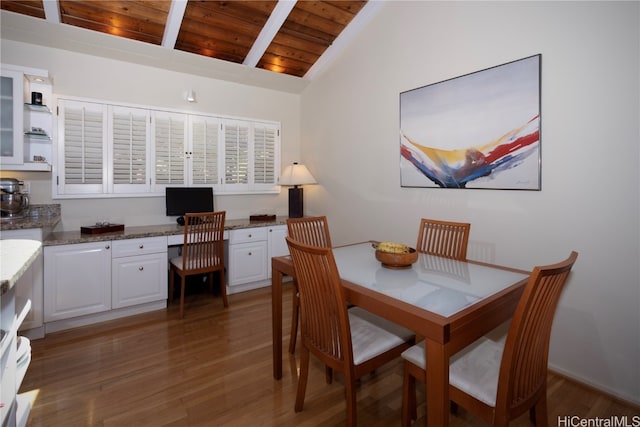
(214, 369)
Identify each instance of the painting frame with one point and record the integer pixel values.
(480, 130)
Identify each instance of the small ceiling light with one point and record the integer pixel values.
(191, 96)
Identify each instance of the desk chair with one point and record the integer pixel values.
(443, 238)
(342, 340)
(202, 252)
(500, 379)
(312, 231)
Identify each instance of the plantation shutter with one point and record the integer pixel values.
(236, 153)
(130, 136)
(264, 152)
(83, 142)
(204, 150)
(169, 143)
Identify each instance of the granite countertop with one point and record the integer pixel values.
(16, 256)
(38, 216)
(136, 232)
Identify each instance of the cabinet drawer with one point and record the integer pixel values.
(147, 245)
(246, 235)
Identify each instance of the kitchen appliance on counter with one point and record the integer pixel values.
(14, 202)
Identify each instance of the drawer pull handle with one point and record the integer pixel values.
(140, 268)
(249, 235)
(107, 247)
(141, 246)
(249, 253)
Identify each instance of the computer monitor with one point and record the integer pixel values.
(183, 200)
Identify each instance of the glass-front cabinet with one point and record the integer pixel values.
(26, 122)
(11, 117)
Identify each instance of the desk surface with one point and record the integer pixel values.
(72, 237)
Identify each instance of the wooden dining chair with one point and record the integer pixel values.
(341, 339)
(443, 238)
(313, 231)
(202, 252)
(500, 379)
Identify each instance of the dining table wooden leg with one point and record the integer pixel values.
(276, 320)
(437, 384)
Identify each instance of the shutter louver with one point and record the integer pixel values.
(204, 143)
(264, 155)
(169, 146)
(129, 147)
(236, 151)
(83, 145)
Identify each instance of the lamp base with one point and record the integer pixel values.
(295, 202)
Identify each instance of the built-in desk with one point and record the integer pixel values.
(90, 278)
(173, 232)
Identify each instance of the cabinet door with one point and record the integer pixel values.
(139, 279)
(11, 110)
(77, 280)
(277, 243)
(247, 262)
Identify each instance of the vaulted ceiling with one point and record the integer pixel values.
(287, 36)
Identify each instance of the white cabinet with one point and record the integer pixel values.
(29, 289)
(277, 243)
(11, 117)
(26, 127)
(250, 252)
(7, 356)
(247, 256)
(77, 280)
(92, 282)
(139, 271)
(15, 351)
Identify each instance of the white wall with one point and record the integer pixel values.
(90, 76)
(590, 157)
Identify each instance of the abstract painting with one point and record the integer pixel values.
(479, 130)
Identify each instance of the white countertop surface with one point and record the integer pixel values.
(16, 256)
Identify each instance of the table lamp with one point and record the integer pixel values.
(296, 175)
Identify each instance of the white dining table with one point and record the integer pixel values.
(450, 303)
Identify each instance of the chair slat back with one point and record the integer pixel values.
(523, 371)
(203, 246)
(324, 325)
(443, 238)
(312, 231)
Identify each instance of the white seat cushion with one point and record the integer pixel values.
(473, 370)
(372, 335)
(177, 261)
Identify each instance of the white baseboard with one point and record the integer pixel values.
(627, 398)
(60, 325)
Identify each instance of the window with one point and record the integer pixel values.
(107, 150)
(130, 149)
(82, 148)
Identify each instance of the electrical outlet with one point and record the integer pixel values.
(26, 187)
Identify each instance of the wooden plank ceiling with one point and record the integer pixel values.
(280, 36)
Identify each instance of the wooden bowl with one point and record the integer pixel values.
(397, 261)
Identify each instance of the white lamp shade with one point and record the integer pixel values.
(296, 174)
